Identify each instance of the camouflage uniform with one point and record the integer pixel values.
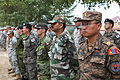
(114, 37)
(3, 40)
(97, 62)
(12, 55)
(19, 53)
(30, 56)
(62, 57)
(43, 60)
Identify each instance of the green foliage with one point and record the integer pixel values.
(93, 3)
(15, 12)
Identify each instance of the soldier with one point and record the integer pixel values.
(110, 34)
(43, 60)
(77, 36)
(98, 57)
(19, 52)
(12, 54)
(62, 52)
(30, 54)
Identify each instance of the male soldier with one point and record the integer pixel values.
(110, 34)
(77, 36)
(98, 57)
(12, 54)
(7, 39)
(62, 52)
(43, 60)
(30, 54)
(19, 52)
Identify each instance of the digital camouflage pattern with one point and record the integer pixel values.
(43, 60)
(19, 53)
(97, 63)
(3, 40)
(63, 58)
(114, 37)
(30, 56)
(12, 55)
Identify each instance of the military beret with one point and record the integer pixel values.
(77, 19)
(42, 25)
(109, 20)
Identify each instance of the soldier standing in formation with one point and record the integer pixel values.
(19, 52)
(77, 36)
(30, 54)
(12, 54)
(110, 34)
(98, 57)
(43, 60)
(62, 52)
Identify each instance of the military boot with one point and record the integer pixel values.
(18, 77)
(11, 71)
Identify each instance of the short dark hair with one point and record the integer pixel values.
(28, 26)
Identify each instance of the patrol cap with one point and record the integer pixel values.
(77, 19)
(57, 18)
(92, 15)
(109, 20)
(42, 25)
(10, 31)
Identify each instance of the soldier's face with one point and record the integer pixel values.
(10, 35)
(107, 25)
(40, 30)
(90, 28)
(25, 30)
(77, 23)
(56, 26)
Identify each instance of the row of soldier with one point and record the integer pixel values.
(52, 53)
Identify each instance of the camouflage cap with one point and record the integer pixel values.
(10, 31)
(92, 15)
(77, 19)
(59, 19)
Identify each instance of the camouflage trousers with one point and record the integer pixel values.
(14, 63)
(44, 77)
(21, 65)
(61, 78)
(31, 70)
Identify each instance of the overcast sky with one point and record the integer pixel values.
(112, 12)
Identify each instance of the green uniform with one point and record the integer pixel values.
(19, 53)
(43, 60)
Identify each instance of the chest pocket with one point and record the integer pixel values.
(27, 43)
(98, 58)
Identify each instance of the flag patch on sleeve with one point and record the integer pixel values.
(113, 51)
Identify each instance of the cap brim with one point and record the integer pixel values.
(51, 22)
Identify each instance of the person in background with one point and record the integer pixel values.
(110, 34)
(43, 60)
(62, 52)
(12, 55)
(30, 54)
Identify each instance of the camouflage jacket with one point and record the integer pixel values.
(62, 57)
(30, 46)
(43, 60)
(102, 62)
(114, 37)
(12, 46)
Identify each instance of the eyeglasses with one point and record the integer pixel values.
(88, 24)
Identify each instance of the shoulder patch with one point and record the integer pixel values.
(113, 51)
(32, 40)
(118, 36)
(115, 66)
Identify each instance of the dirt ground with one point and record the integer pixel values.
(4, 65)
